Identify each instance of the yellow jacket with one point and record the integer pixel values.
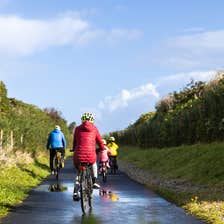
(113, 148)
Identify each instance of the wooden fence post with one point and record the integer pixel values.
(1, 140)
(21, 139)
(11, 140)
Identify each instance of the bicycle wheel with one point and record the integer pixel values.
(90, 190)
(84, 192)
(57, 172)
(112, 167)
(104, 176)
(104, 173)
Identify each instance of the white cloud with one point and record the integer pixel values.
(196, 50)
(203, 41)
(26, 36)
(165, 83)
(126, 96)
(186, 77)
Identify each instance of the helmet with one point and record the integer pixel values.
(57, 127)
(112, 139)
(104, 141)
(87, 117)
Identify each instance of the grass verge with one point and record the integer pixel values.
(16, 182)
(197, 170)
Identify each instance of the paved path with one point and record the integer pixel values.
(129, 203)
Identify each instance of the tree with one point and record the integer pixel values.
(71, 127)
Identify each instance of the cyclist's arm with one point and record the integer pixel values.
(99, 141)
(63, 141)
(74, 139)
(48, 141)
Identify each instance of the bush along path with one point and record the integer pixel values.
(190, 176)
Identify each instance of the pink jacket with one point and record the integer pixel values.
(103, 155)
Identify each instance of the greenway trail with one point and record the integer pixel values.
(123, 201)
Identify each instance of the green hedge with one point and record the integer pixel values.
(26, 124)
(195, 114)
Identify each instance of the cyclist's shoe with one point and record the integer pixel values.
(96, 186)
(75, 196)
(52, 172)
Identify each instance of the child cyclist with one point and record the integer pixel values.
(114, 151)
(103, 156)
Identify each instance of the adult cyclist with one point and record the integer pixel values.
(86, 136)
(56, 142)
(113, 147)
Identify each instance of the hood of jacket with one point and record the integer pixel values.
(56, 130)
(87, 126)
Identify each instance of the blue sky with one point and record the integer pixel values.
(115, 58)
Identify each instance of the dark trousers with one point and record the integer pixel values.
(52, 155)
(113, 160)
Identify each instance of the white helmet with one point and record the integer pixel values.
(57, 127)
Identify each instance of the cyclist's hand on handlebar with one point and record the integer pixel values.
(72, 150)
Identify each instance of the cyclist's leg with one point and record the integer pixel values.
(94, 170)
(108, 164)
(115, 163)
(76, 186)
(52, 154)
(100, 167)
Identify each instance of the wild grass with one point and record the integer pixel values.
(201, 165)
(17, 180)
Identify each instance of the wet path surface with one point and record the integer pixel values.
(123, 201)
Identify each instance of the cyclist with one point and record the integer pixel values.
(103, 156)
(114, 151)
(85, 138)
(56, 142)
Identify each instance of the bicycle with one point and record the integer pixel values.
(57, 164)
(103, 171)
(113, 165)
(86, 186)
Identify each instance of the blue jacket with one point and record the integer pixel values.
(56, 139)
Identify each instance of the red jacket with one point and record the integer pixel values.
(84, 143)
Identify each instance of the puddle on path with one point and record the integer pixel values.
(52, 188)
(57, 188)
(107, 194)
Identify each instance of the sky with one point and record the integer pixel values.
(114, 58)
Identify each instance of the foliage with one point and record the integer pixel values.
(195, 114)
(25, 126)
(71, 127)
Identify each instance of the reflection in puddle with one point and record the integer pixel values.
(57, 188)
(107, 194)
